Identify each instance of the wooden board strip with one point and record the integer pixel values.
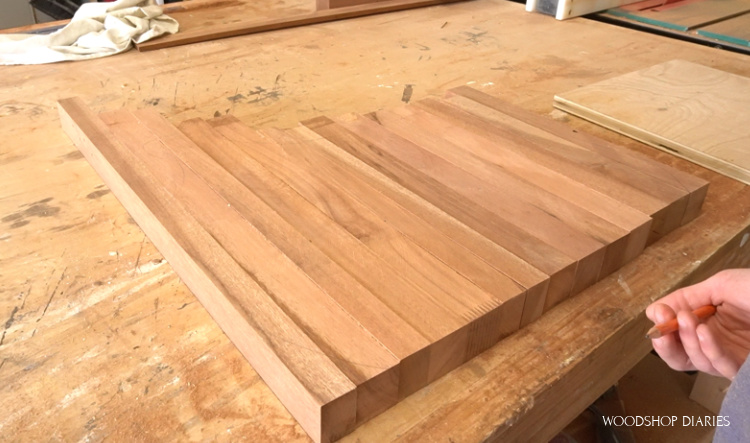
(432, 224)
(312, 387)
(669, 196)
(460, 326)
(624, 229)
(246, 27)
(690, 110)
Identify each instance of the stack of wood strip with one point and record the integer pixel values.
(354, 260)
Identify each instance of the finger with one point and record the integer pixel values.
(671, 351)
(722, 361)
(660, 313)
(668, 346)
(688, 323)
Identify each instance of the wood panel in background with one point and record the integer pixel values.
(354, 260)
(696, 112)
(211, 23)
(723, 22)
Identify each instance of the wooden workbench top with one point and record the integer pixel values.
(100, 339)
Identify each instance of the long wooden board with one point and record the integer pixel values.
(355, 260)
(695, 112)
(202, 32)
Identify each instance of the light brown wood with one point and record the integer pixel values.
(303, 377)
(688, 109)
(143, 360)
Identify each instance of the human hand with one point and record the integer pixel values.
(717, 346)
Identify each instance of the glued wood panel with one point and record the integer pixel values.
(354, 260)
(695, 112)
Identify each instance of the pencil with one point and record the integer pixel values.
(665, 328)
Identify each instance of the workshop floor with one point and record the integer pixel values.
(650, 389)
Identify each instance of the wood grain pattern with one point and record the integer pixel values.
(392, 247)
(690, 110)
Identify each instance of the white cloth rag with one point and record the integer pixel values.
(96, 30)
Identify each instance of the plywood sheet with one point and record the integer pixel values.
(354, 260)
(684, 108)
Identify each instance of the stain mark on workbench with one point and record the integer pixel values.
(91, 424)
(408, 91)
(36, 209)
(12, 158)
(156, 307)
(52, 295)
(30, 109)
(72, 155)
(138, 258)
(217, 114)
(474, 37)
(8, 324)
(152, 102)
(235, 98)
(98, 194)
